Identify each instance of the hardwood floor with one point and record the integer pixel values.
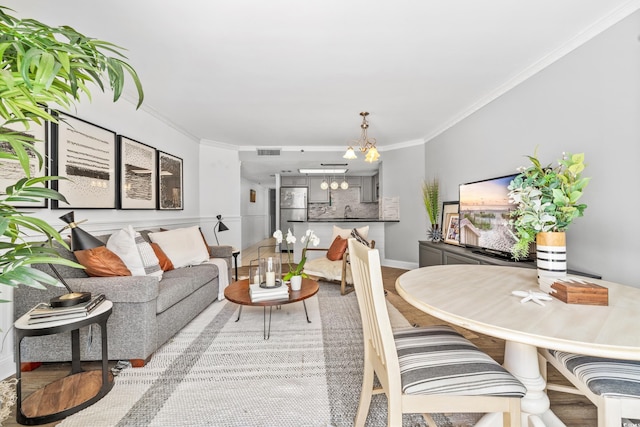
(573, 410)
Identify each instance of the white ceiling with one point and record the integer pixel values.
(296, 74)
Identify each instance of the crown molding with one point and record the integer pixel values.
(580, 39)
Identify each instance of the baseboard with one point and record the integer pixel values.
(399, 264)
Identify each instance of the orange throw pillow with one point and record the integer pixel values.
(101, 262)
(337, 248)
(165, 262)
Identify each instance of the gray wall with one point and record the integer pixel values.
(589, 101)
(401, 175)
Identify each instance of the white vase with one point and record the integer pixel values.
(296, 283)
(551, 258)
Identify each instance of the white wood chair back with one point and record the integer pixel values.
(381, 357)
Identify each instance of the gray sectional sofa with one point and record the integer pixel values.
(146, 312)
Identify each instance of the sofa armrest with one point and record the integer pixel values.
(129, 289)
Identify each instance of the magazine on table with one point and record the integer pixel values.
(44, 310)
(265, 294)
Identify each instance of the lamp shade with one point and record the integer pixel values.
(220, 227)
(80, 239)
(350, 154)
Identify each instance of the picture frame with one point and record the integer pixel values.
(137, 176)
(252, 196)
(451, 223)
(170, 187)
(11, 171)
(85, 154)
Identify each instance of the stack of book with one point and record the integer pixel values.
(266, 294)
(43, 312)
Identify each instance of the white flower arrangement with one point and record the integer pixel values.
(308, 238)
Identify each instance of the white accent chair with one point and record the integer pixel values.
(333, 271)
(423, 370)
(613, 386)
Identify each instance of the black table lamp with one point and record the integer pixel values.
(80, 240)
(220, 226)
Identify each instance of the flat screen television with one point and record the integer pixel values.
(484, 214)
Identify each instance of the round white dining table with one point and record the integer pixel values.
(479, 298)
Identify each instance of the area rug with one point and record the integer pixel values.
(219, 372)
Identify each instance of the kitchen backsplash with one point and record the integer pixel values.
(344, 203)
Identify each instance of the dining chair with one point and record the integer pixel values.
(612, 385)
(423, 370)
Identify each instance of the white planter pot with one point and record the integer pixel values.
(296, 283)
(551, 258)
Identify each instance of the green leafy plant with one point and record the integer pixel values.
(290, 239)
(431, 200)
(546, 199)
(42, 65)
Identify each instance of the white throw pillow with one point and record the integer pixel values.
(136, 253)
(183, 246)
(345, 233)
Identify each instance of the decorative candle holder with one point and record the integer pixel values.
(270, 272)
(254, 273)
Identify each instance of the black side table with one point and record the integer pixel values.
(235, 254)
(74, 392)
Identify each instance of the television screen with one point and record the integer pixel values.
(484, 216)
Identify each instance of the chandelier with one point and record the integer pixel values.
(364, 144)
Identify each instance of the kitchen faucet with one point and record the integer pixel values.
(347, 209)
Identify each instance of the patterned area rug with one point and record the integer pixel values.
(219, 372)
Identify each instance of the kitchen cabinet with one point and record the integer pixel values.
(294, 181)
(354, 181)
(317, 194)
(368, 190)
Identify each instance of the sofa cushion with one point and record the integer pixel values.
(179, 283)
(345, 233)
(135, 252)
(163, 259)
(337, 249)
(101, 262)
(183, 246)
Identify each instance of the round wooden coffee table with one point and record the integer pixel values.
(238, 292)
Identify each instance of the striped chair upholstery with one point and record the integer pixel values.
(438, 360)
(612, 385)
(604, 377)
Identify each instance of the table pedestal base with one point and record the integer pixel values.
(522, 361)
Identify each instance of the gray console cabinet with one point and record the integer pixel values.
(445, 254)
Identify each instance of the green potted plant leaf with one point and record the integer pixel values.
(41, 66)
(547, 200)
(431, 199)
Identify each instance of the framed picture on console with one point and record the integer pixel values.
(450, 223)
(170, 190)
(138, 174)
(11, 171)
(85, 154)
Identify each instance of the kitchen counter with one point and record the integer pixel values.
(346, 220)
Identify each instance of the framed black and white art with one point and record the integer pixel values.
(138, 174)
(170, 191)
(11, 171)
(85, 154)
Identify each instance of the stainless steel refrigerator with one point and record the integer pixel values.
(293, 206)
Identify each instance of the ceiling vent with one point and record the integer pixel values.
(268, 151)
